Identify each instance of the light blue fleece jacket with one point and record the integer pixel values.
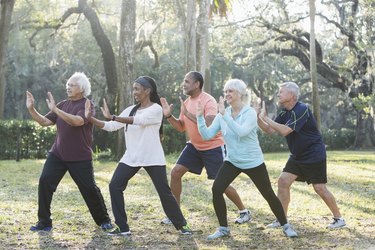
(240, 136)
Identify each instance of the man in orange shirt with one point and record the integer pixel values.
(198, 153)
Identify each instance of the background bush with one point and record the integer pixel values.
(25, 139)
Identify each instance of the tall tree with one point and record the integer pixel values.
(190, 37)
(126, 61)
(313, 73)
(5, 21)
(202, 53)
(196, 34)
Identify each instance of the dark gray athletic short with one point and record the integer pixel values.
(195, 160)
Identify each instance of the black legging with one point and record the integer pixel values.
(259, 175)
(158, 174)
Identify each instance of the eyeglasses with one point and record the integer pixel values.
(72, 85)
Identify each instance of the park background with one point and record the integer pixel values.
(329, 54)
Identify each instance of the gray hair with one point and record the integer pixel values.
(239, 86)
(82, 81)
(292, 87)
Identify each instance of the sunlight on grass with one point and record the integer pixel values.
(351, 180)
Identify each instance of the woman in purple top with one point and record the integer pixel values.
(71, 152)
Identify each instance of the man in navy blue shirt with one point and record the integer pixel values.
(307, 161)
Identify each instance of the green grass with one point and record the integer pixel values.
(351, 179)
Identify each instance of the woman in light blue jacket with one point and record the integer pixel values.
(238, 125)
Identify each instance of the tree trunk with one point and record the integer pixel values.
(190, 37)
(5, 21)
(202, 54)
(313, 69)
(109, 61)
(126, 62)
(364, 135)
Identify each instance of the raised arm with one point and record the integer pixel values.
(72, 120)
(167, 112)
(108, 126)
(207, 132)
(269, 126)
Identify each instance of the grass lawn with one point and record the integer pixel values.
(351, 179)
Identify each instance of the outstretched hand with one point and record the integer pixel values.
(167, 109)
(221, 106)
(105, 110)
(183, 107)
(29, 100)
(51, 102)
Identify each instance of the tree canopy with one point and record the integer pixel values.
(262, 42)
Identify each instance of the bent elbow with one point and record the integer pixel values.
(285, 132)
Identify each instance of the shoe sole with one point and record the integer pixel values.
(293, 236)
(120, 234)
(187, 233)
(334, 228)
(221, 237)
(46, 229)
(237, 222)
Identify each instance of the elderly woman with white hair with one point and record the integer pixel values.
(71, 152)
(238, 125)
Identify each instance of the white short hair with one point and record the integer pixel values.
(292, 87)
(82, 81)
(239, 86)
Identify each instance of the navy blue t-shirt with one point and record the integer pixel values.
(305, 142)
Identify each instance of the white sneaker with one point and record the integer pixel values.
(274, 224)
(337, 223)
(289, 231)
(244, 217)
(166, 221)
(221, 232)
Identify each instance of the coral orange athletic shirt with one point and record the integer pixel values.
(209, 105)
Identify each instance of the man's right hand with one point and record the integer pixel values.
(29, 100)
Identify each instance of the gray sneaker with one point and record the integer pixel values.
(221, 232)
(244, 217)
(166, 221)
(274, 224)
(289, 231)
(336, 223)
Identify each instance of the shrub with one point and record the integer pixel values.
(173, 141)
(25, 139)
(338, 138)
(272, 143)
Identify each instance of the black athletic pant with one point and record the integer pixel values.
(158, 174)
(259, 175)
(83, 175)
